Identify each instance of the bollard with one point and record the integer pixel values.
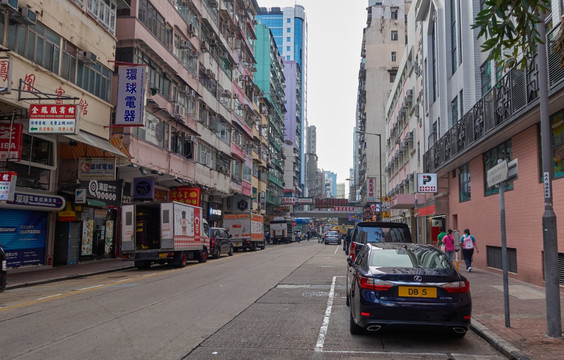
(4, 269)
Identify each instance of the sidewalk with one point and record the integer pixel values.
(525, 339)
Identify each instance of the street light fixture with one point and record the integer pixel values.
(379, 156)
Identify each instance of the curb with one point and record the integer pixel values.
(500, 344)
(66, 277)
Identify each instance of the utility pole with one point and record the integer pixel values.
(549, 234)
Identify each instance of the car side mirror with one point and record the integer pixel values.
(350, 260)
(229, 236)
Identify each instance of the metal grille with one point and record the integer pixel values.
(494, 258)
(555, 71)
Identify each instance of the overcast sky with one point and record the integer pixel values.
(335, 36)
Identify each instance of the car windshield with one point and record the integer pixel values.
(333, 233)
(383, 234)
(408, 257)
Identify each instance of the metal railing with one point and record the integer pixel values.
(516, 93)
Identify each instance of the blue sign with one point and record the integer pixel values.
(23, 235)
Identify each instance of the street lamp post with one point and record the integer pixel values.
(379, 158)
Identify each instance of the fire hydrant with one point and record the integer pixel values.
(4, 269)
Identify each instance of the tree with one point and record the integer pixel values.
(510, 29)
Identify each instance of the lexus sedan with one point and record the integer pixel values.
(220, 242)
(405, 284)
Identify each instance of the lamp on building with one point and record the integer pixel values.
(143, 171)
(379, 156)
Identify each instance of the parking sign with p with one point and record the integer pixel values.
(427, 183)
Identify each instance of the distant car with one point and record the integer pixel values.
(347, 240)
(332, 237)
(220, 242)
(405, 284)
(378, 231)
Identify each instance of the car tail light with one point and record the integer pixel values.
(457, 286)
(374, 284)
(212, 242)
(352, 250)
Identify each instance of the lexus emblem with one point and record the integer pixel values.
(417, 278)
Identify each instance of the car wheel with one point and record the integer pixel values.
(354, 328)
(183, 260)
(217, 253)
(230, 253)
(203, 256)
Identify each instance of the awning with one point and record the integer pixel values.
(88, 145)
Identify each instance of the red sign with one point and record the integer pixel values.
(52, 118)
(344, 208)
(11, 141)
(186, 195)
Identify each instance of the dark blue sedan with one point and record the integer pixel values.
(405, 284)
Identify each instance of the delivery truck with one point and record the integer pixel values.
(246, 231)
(281, 230)
(163, 232)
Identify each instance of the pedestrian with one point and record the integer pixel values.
(468, 245)
(440, 243)
(448, 241)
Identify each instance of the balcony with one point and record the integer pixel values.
(503, 107)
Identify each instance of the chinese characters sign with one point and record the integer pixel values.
(53, 119)
(371, 191)
(131, 96)
(186, 195)
(96, 169)
(11, 141)
(7, 185)
(5, 75)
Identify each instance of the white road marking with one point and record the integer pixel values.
(90, 287)
(325, 324)
(337, 248)
(47, 297)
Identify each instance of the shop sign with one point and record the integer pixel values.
(23, 235)
(344, 208)
(53, 119)
(80, 196)
(106, 191)
(131, 96)
(96, 169)
(7, 185)
(288, 200)
(5, 75)
(304, 201)
(186, 195)
(371, 192)
(144, 188)
(11, 141)
(427, 183)
(38, 201)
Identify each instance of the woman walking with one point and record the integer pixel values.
(448, 241)
(468, 245)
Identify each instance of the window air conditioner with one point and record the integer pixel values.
(10, 4)
(87, 57)
(179, 110)
(25, 16)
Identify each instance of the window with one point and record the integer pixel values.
(95, 78)
(181, 144)
(155, 131)
(434, 61)
(454, 110)
(68, 62)
(464, 183)
(287, 48)
(453, 36)
(37, 161)
(288, 39)
(503, 152)
(289, 20)
(494, 258)
(394, 35)
(155, 22)
(394, 56)
(394, 12)
(247, 173)
(288, 30)
(557, 143)
(486, 77)
(236, 171)
(205, 155)
(104, 11)
(393, 76)
(36, 43)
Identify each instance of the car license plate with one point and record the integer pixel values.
(162, 256)
(237, 244)
(417, 291)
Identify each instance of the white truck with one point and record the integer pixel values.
(167, 232)
(281, 230)
(246, 231)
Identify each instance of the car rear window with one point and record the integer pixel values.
(383, 234)
(417, 257)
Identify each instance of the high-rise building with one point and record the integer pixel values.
(289, 28)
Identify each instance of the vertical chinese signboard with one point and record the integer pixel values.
(131, 96)
(371, 193)
(5, 75)
(186, 195)
(7, 185)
